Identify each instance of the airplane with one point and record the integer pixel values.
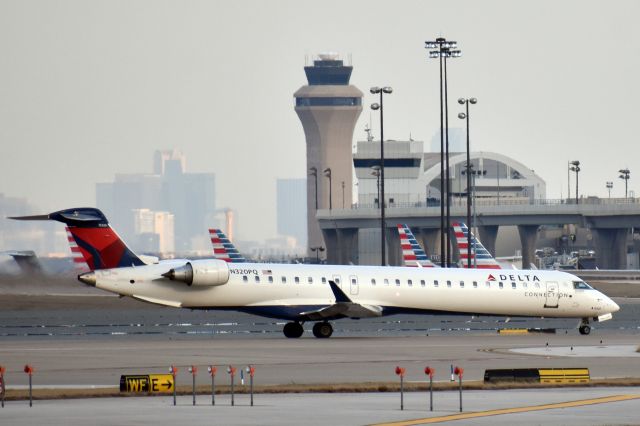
(223, 248)
(480, 256)
(412, 253)
(302, 293)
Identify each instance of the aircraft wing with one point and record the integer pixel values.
(343, 308)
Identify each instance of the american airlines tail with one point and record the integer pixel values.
(412, 253)
(480, 256)
(223, 248)
(93, 239)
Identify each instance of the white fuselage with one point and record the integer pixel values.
(295, 288)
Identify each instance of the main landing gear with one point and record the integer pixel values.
(321, 330)
(584, 327)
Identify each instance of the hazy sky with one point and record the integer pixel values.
(91, 88)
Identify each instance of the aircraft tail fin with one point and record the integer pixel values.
(412, 253)
(97, 243)
(223, 248)
(483, 259)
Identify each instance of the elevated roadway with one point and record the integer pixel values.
(609, 221)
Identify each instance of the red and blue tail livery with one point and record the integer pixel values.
(223, 248)
(483, 259)
(97, 243)
(412, 253)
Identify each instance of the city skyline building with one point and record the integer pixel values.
(291, 200)
(189, 197)
(328, 108)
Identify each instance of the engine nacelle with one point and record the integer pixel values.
(201, 273)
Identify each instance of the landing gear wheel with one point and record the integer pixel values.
(322, 330)
(584, 329)
(293, 330)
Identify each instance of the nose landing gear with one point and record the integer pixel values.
(584, 327)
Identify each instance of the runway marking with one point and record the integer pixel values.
(463, 416)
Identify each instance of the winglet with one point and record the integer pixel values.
(338, 293)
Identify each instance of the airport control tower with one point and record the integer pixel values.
(328, 108)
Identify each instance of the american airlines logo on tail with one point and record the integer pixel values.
(223, 248)
(412, 253)
(79, 262)
(483, 259)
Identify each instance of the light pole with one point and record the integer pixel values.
(375, 171)
(575, 167)
(327, 173)
(314, 172)
(444, 51)
(609, 186)
(343, 195)
(465, 116)
(624, 175)
(317, 251)
(376, 106)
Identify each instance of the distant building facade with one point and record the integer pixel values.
(291, 198)
(188, 197)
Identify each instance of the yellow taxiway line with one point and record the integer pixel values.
(472, 415)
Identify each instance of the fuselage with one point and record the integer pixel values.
(286, 290)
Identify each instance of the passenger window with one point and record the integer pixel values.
(488, 284)
(373, 281)
(397, 282)
(353, 280)
(537, 285)
(337, 280)
(324, 280)
(448, 283)
(475, 284)
(423, 283)
(435, 283)
(524, 285)
(386, 281)
(461, 284)
(513, 285)
(245, 279)
(409, 283)
(500, 284)
(310, 279)
(284, 280)
(270, 279)
(297, 280)
(257, 279)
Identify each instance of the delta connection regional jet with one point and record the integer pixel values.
(321, 293)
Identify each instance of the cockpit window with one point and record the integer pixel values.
(581, 285)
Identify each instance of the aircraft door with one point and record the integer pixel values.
(552, 295)
(336, 279)
(353, 280)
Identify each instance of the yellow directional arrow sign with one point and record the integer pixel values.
(147, 383)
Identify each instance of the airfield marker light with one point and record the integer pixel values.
(2, 385)
(194, 370)
(430, 372)
(459, 372)
(174, 371)
(232, 372)
(212, 372)
(28, 369)
(400, 372)
(251, 370)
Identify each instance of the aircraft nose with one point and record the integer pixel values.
(614, 306)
